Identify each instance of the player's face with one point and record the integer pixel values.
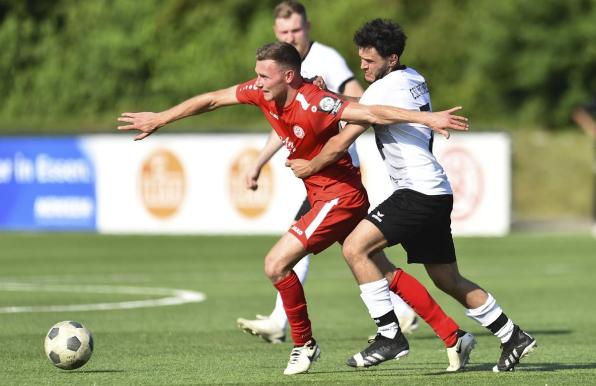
(271, 79)
(293, 30)
(373, 64)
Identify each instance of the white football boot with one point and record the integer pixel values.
(263, 326)
(408, 324)
(302, 357)
(459, 355)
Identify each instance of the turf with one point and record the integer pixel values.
(546, 283)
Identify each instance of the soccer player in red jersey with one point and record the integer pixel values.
(305, 117)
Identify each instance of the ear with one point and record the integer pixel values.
(289, 76)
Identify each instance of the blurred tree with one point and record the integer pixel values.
(510, 63)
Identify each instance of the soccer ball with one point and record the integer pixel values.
(68, 345)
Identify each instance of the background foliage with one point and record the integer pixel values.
(68, 64)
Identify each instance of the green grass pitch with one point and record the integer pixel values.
(545, 283)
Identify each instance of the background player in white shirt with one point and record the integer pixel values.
(417, 215)
(291, 26)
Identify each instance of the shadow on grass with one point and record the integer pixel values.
(487, 333)
(560, 366)
(484, 367)
(97, 371)
(535, 367)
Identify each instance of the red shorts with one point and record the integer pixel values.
(330, 221)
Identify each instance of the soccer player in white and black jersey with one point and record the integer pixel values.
(418, 213)
(291, 26)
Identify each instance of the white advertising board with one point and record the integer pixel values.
(190, 184)
(195, 183)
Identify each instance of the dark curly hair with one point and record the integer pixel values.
(385, 36)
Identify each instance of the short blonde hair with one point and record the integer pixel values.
(285, 9)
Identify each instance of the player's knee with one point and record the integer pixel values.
(352, 251)
(274, 270)
(348, 250)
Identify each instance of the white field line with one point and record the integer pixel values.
(171, 297)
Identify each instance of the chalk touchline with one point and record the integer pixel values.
(171, 297)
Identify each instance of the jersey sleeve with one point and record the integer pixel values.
(337, 72)
(329, 108)
(248, 94)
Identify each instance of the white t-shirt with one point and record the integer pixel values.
(326, 62)
(407, 148)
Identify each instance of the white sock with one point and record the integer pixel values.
(487, 313)
(378, 301)
(505, 332)
(401, 308)
(279, 314)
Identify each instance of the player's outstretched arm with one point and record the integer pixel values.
(271, 147)
(148, 122)
(333, 150)
(439, 121)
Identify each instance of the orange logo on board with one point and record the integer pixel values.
(162, 183)
(250, 203)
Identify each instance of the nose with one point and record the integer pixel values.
(290, 38)
(363, 65)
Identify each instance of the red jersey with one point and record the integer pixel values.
(304, 126)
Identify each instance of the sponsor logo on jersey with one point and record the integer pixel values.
(297, 230)
(378, 216)
(289, 144)
(250, 203)
(298, 131)
(330, 105)
(419, 90)
(162, 183)
(326, 104)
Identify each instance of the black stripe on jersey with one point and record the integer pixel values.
(379, 146)
(431, 141)
(426, 107)
(342, 86)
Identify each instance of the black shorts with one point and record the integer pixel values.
(420, 223)
(305, 207)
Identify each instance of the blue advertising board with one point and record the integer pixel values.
(46, 184)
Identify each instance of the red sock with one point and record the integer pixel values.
(417, 297)
(292, 296)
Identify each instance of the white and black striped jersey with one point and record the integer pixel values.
(406, 148)
(326, 62)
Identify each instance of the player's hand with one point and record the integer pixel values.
(442, 120)
(300, 167)
(251, 178)
(317, 81)
(147, 123)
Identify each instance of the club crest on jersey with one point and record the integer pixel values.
(298, 131)
(330, 105)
